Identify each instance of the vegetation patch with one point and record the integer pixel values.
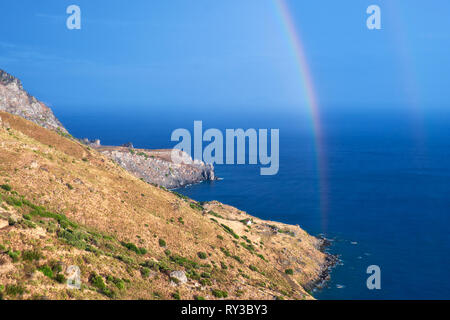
(202, 255)
(289, 271)
(6, 187)
(14, 255)
(253, 268)
(230, 231)
(196, 206)
(215, 214)
(31, 255)
(219, 293)
(14, 290)
(134, 248)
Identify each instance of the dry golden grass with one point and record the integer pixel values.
(68, 178)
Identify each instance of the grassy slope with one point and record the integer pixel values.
(80, 208)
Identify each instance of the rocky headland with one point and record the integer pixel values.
(66, 202)
(157, 167)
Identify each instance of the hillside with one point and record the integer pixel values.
(65, 204)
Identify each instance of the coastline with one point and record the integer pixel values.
(331, 262)
(264, 259)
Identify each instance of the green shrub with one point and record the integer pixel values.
(31, 255)
(176, 295)
(97, 281)
(12, 201)
(219, 293)
(202, 255)
(196, 206)
(225, 252)
(75, 238)
(6, 187)
(184, 262)
(14, 290)
(288, 232)
(11, 221)
(261, 256)
(162, 243)
(215, 214)
(163, 267)
(14, 255)
(47, 271)
(60, 278)
(151, 264)
(179, 195)
(199, 298)
(109, 293)
(253, 268)
(145, 272)
(119, 283)
(289, 271)
(238, 259)
(230, 231)
(249, 247)
(134, 248)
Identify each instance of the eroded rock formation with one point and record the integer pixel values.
(14, 99)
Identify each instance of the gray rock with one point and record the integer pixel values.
(14, 99)
(179, 276)
(127, 145)
(157, 168)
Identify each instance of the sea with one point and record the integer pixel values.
(377, 185)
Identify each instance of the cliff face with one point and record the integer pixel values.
(155, 166)
(14, 99)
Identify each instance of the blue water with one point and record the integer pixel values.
(387, 200)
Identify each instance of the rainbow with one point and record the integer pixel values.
(312, 103)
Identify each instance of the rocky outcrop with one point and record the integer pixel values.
(14, 99)
(178, 277)
(156, 166)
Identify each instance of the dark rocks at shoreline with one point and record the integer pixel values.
(330, 262)
(128, 145)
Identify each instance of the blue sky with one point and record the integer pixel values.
(233, 54)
